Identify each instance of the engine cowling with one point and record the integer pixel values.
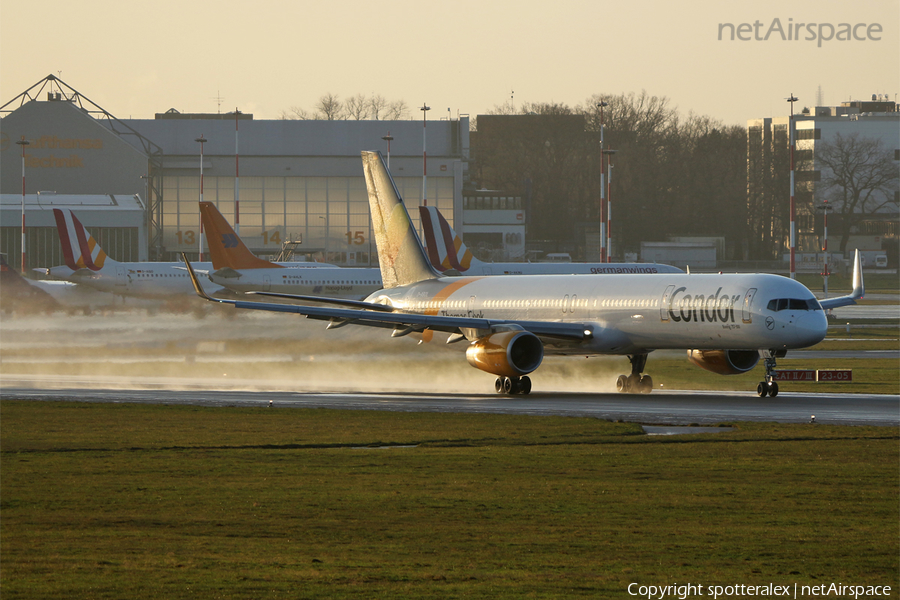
(507, 353)
(724, 362)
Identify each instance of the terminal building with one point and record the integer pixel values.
(277, 180)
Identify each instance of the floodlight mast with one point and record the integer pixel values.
(424, 110)
(202, 141)
(603, 256)
(793, 238)
(23, 142)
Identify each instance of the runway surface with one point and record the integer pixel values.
(660, 407)
(222, 358)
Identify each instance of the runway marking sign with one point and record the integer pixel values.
(829, 375)
(795, 375)
(835, 375)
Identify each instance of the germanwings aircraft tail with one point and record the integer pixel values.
(80, 249)
(400, 252)
(445, 247)
(225, 247)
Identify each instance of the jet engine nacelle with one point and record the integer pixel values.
(507, 353)
(724, 362)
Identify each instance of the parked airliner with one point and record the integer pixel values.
(449, 255)
(726, 322)
(87, 264)
(238, 269)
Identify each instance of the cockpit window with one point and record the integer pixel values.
(793, 304)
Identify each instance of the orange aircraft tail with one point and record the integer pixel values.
(225, 247)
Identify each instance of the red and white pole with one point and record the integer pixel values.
(793, 240)
(237, 175)
(609, 215)
(825, 272)
(23, 142)
(600, 105)
(202, 141)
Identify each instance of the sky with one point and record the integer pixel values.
(463, 57)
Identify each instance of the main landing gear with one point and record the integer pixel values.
(513, 385)
(635, 383)
(769, 387)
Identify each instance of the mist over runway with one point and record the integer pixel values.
(222, 357)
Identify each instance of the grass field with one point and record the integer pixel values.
(141, 501)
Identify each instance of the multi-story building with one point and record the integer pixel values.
(768, 178)
(293, 180)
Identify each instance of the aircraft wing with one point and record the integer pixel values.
(859, 288)
(403, 323)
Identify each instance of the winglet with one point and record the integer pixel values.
(859, 288)
(195, 281)
(225, 247)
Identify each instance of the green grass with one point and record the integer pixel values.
(139, 501)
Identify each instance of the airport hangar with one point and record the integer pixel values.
(135, 183)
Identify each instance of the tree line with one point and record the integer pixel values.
(672, 175)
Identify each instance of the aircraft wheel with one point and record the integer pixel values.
(621, 383)
(762, 390)
(773, 389)
(633, 384)
(646, 384)
(509, 386)
(525, 385)
(498, 385)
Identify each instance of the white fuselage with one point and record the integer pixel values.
(627, 314)
(332, 282)
(568, 268)
(144, 279)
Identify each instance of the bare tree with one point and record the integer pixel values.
(377, 106)
(295, 114)
(330, 107)
(357, 107)
(397, 110)
(859, 178)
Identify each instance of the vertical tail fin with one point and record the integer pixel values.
(400, 253)
(80, 249)
(446, 249)
(225, 247)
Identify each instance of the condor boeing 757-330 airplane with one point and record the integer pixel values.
(726, 323)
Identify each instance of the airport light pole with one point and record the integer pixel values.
(237, 176)
(825, 207)
(23, 142)
(388, 139)
(202, 141)
(424, 110)
(609, 167)
(600, 105)
(793, 239)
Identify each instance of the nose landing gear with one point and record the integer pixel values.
(769, 387)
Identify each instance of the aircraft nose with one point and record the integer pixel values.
(810, 329)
